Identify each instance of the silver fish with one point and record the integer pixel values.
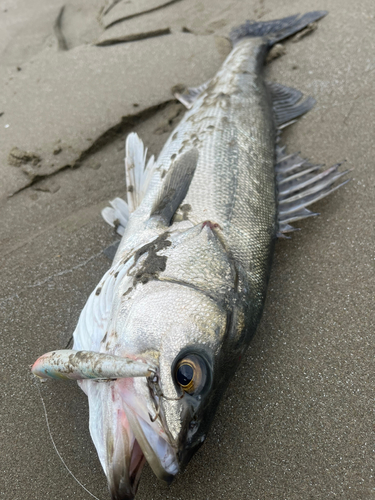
(185, 293)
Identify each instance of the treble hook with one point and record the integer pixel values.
(157, 413)
(154, 382)
(173, 399)
(157, 407)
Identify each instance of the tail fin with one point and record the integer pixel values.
(277, 30)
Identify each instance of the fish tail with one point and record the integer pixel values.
(276, 30)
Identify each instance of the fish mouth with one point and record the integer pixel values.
(123, 475)
(158, 452)
(125, 437)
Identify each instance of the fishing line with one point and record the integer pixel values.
(54, 445)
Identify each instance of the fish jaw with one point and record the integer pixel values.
(125, 461)
(125, 436)
(159, 454)
(153, 436)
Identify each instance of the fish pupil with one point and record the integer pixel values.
(185, 374)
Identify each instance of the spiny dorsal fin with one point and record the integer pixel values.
(301, 184)
(175, 186)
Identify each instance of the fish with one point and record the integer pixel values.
(164, 331)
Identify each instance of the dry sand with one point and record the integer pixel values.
(297, 421)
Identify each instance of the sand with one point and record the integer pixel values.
(297, 420)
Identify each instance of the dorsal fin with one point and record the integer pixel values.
(301, 184)
(287, 104)
(175, 186)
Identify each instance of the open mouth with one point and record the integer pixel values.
(158, 452)
(137, 462)
(125, 437)
(124, 471)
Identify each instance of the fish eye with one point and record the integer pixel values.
(191, 374)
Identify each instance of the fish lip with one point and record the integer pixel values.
(166, 467)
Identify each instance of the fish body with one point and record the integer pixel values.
(186, 289)
(232, 126)
(203, 290)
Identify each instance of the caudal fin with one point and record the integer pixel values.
(276, 30)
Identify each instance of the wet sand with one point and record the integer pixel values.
(297, 420)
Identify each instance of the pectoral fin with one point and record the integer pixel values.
(175, 186)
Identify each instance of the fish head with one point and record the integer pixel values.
(185, 333)
(192, 373)
(199, 316)
(190, 329)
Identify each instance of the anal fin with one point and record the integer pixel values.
(191, 94)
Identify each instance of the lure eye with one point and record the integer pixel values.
(191, 374)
